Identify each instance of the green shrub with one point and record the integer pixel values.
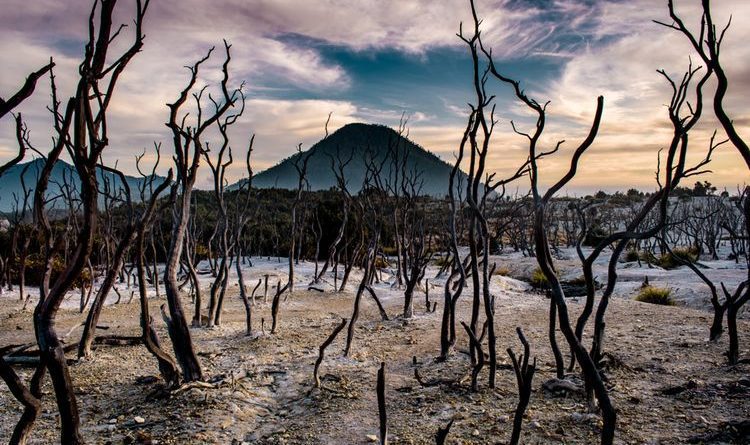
(502, 271)
(389, 251)
(538, 279)
(577, 281)
(668, 260)
(201, 250)
(631, 255)
(381, 263)
(35, 268)
(442, 261)
(648, 257)
(655, 295)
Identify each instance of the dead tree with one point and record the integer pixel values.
(455, 283)
(111, 195)
(369, 202)
(674, 170)
(218, 171)
(650, 219)
(22, 230)
(116, 262)
(478, 134)
(85, 117)
(381, 309)
(155, 234)
(188, 147)
(429, 306)
(302, 224)
(242, 205)
(338, 166)
(317, 230)
(524, 376)
(150, 196)
(382, 415)
(30, 398)
(544, 257)
(477, 155)
(300, 165)
(71, 198)
(735, 301)
(707, 43)
(452, 290)
(368, 271)
(476, 344)
(6, 106)
(353, 252)
(322, 350)
(733, 222)
(191, 259)
(275, 305)
(414, 244)
(552, 335)
(26, 90)
(686, 216)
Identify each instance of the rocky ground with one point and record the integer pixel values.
(669, 383)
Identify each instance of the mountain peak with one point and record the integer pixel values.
(360, 140)
(359, 132)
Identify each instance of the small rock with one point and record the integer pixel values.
(584, 417)
(372, 438)
(139, 419)
(146, 380)
(144, 438)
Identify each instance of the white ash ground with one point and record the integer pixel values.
(272, 400)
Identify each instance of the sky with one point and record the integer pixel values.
(376, 60)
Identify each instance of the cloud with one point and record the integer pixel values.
(608, 47)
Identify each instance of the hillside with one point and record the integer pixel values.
(357, 140)
(11, 185)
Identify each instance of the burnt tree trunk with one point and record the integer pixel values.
(524, 376)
